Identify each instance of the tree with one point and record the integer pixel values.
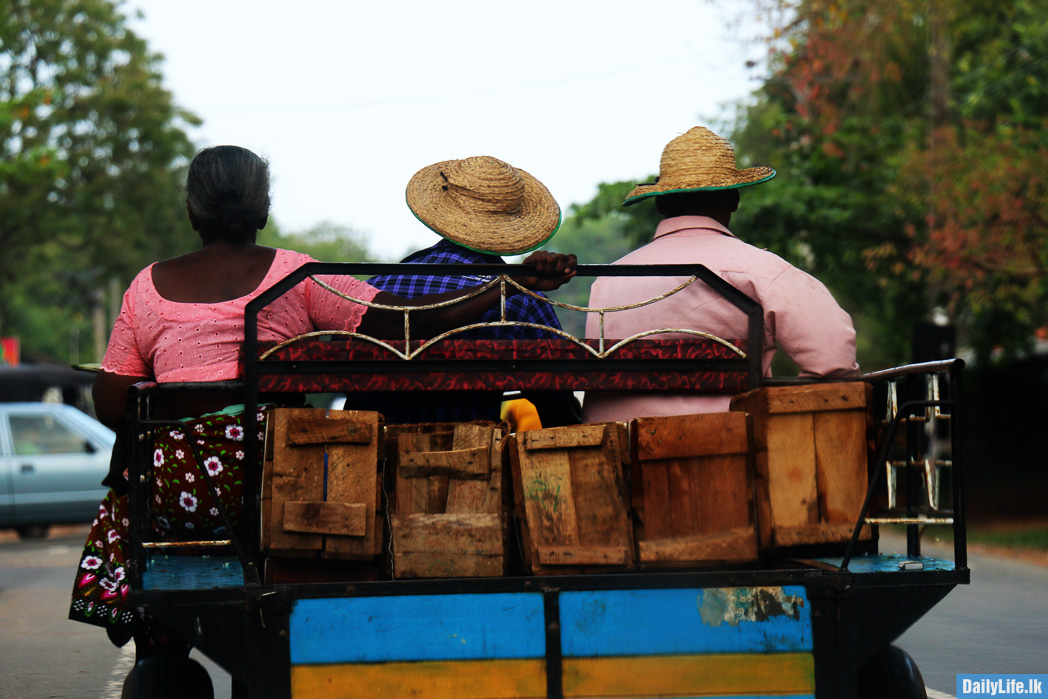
(92, 149)
(634, 224)
(598, 232)
(326, 242)
(908, 134)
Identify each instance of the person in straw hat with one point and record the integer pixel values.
(696, 192)
(482, 208)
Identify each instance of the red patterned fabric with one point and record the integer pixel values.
(183, 509)
(378, 369)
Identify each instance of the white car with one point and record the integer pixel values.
(53, 458)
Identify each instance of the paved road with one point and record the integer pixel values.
(44, 655)
(998, 624)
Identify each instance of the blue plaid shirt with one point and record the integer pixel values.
(520, 307)
(453, 406)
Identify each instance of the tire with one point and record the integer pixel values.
(33, 531)
(891, 674)
(168, 677)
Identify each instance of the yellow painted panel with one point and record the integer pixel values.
(461, 679)
(689, 675)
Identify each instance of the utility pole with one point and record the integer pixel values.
(938, 91)
(98, 322)
(938, 109)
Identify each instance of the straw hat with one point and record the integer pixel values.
(484, 204)
(696, 161)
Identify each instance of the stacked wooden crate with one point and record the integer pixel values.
(571, 499)
(320, 487)
(692, 490)
(447, 516)
(810, 450)
(785, 468)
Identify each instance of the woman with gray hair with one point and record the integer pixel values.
(182, 320)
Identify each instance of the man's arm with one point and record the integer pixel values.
(810, 326)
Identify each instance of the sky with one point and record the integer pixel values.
(348, 99)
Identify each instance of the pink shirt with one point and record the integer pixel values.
(800, 314)
(173, 341)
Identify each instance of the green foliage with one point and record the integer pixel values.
(326, 242)
(91, 152)
(598, 232)
(999, 67)
(57, 331)
(909, 138)
(635, 224)
(823, 213)
(985, 244)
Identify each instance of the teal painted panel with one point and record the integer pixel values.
(661, 622)
(889, 563)
(165, 572)
(422, 627)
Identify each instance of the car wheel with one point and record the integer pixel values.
(33, 531)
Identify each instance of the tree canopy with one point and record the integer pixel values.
(92, 148)
(327, 242)
(909, 136)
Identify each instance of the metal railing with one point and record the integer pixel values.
(921, 401)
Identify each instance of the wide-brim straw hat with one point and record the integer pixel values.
(484, 204)
(696, 161)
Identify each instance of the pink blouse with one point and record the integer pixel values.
(173, 341)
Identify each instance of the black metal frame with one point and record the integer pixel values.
(850, 617)
(253, 367)
(905, 415)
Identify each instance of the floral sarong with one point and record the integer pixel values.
(182, 506)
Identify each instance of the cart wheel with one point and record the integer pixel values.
(168, 677)
(891, 674)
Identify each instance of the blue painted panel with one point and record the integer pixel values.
(659, 622)
(424, 627)
(889, 563)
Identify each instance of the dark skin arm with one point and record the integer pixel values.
(551, 272)
(110, 394)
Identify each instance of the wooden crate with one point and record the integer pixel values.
(446, 512)
(692, 489)
(571, 502)
(810, 455)
(320, 485)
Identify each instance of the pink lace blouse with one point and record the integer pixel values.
(173, 341)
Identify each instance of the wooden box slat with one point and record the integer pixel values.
(448, 545)
(810, 460)
(320, 430)
(447, 517)
(339, 518)
(692, 489)
(418, 457)
(315, 492)
(733, 544)
(571, 501)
